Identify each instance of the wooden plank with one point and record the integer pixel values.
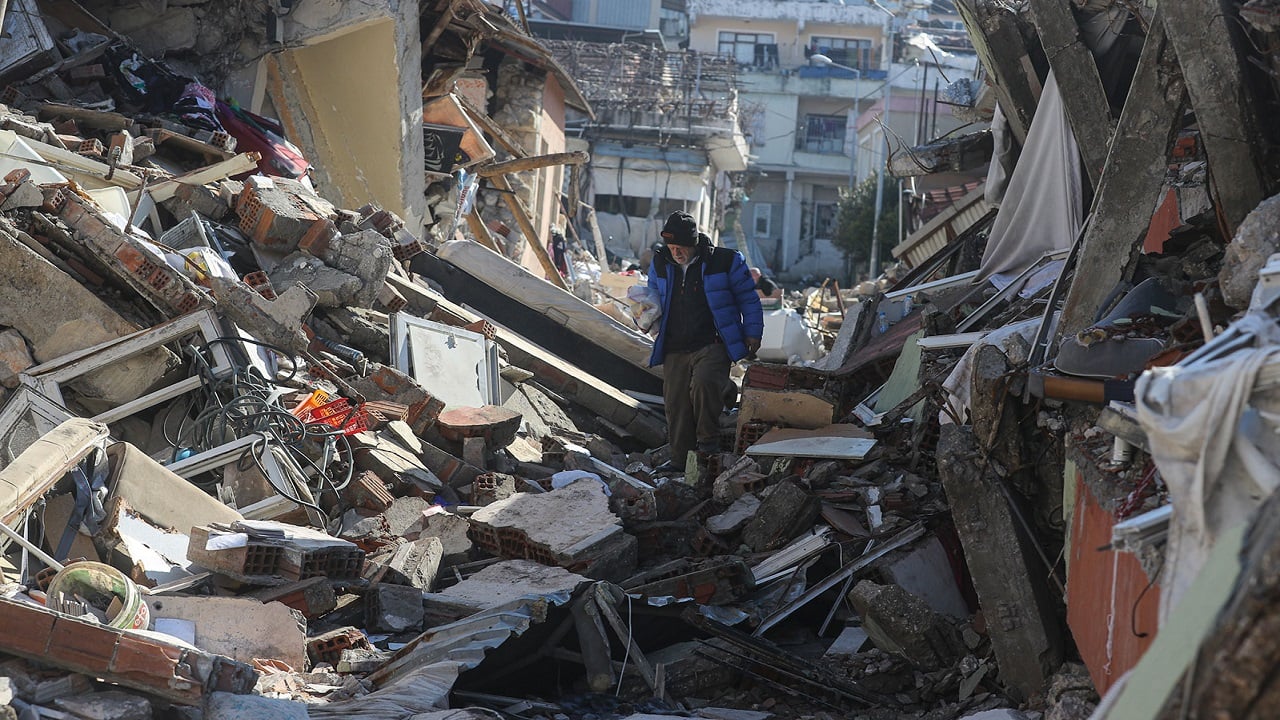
(242, 163)
(85, 116)
(1211, 50)
(478, 116)
(481, 233)
(997, 35)
(1077, 74)
(521, 213)
(1131, 181)
(524, 164)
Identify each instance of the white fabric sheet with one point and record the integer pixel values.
(1043, 205)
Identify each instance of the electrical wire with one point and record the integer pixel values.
(243, 404)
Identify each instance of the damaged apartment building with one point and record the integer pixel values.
(301, 418)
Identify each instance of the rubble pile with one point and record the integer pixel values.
(257, 465)
(268, 456)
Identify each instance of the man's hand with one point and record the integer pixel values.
(753, 344)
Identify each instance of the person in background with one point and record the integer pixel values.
(766, 288)
(711, 318)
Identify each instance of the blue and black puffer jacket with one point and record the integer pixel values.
(731, 295)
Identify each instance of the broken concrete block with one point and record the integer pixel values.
(405, 513)
(393, 608)
(278, 322)
(58, 316)
(275, 217)
(508, 581)
(198, 199)
(413, 563)
(539, 413)
(733, 481)
(366, 255)
(901, 623)
(333, 287)
(328, 647)
(240, 628)
(312, 597)
(572, 527)
(492, 487)
(14, 357)
(735, 517)
(20, 195)
(264, 552)
(1256, 240)
(785, 512)
(376, 453)
(452, 532)
(497, 425)
(226, 706)
(106, 705)
(387, 383)
(1010, 584)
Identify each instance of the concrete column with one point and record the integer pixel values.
(790, 223)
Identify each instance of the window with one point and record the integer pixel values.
(754, 49)
(623, 205)
(822, 134)
(763, 219)
(824, 220)
(845, 51)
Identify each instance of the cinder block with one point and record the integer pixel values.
(393, 608)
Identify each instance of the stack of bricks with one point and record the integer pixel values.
(404, 244)
(571, 527)
(749, 434)
(328, 647)
(274, 218)
(170, 291)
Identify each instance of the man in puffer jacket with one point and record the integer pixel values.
(711, 318)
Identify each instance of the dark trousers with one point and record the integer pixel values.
(693, 390)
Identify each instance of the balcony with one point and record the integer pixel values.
(798, 10)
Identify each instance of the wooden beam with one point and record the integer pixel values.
(1208, 43)
(521, 213)
(601, 254)
(235, 165)
(577, 157)
(1131, 180)
(998, 37)
(1077, 73)
(486, 123)
(481, 232)
(98, 119)
(442, 22)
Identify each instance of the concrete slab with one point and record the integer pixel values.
(572, 527)
(511, 580)
(240, 628)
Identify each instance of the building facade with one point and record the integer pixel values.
(816, 129)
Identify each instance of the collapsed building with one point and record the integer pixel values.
(291, 429)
